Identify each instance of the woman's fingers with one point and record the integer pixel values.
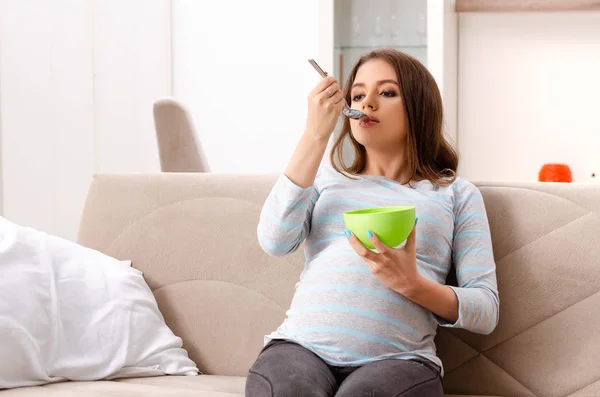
(411, 241)
(381, 247)
(329, 93)
(322, 85)
(323, 110)
(360, 248)
(336, 98)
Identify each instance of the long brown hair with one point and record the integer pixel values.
(429, 154)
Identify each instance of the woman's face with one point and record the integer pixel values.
(376, 92)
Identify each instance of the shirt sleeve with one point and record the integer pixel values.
(473, 259)
(286, 217)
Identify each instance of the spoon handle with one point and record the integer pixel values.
(317, 68)
(351, 113)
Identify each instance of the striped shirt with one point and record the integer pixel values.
(340, 310)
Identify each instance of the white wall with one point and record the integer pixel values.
(77, 83)
(442, 54)
(132, 69)
(529, 89)
(242, 69)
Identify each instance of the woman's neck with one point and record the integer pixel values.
(392, 166)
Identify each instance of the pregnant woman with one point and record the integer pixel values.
(363, 322)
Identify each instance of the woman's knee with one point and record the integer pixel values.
(287, 369)
(258, 385)
(393, 378)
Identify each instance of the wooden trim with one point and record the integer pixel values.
(526, 5)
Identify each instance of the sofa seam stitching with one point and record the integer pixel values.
(581, 388)
(154, 291)
(540, 322)
(540, 191)
(545, 235)
(482, 353)
(509, 374)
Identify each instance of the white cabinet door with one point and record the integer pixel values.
(241, 68)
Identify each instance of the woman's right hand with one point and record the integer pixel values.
(325, 103)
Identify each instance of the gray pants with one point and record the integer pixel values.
(286, 369)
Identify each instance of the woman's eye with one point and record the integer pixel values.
(387, 93)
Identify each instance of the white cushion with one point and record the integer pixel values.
(72, 313)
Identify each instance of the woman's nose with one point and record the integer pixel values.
(369, 103)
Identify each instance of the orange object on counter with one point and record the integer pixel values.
(555, 173)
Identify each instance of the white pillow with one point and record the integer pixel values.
(72, 313)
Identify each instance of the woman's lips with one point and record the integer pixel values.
(368, 122)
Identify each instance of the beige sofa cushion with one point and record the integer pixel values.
(163, 386)
(194, 237)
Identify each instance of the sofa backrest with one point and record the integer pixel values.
(194, 238)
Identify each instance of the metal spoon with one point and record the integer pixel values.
(350, 113)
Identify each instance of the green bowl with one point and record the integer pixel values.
(391, 224)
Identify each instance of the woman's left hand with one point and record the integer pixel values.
(394, 267)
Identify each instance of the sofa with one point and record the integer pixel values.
(194, 238)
